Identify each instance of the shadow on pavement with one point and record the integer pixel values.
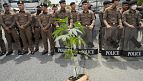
(62, 61)
(8, 58)
(130, 62)
(22, 59)
(42, 58)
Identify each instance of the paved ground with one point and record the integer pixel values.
(55, 68)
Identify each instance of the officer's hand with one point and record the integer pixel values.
(108, 26)
(7, 28)
(43, 29)
(120, 26)
(22, 27)
(33, 30)
(91, 27)
(131, 26)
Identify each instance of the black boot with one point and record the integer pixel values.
(24, 52)
(52, 53)
(9, 53)
(2, 53)
(36, 50)
(32, 52)
(44, 52)
(19, 52)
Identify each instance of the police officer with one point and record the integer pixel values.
(120, 37)
(36, 28)
(45, 24)
(131, 21)
(87, 19)
(2, 44)
(53, 25)
(125, 6)
(106, 4)
(74, 13)
(8, 23)
(112, 21)
(54, 8)
(62, 13)
(23, 20)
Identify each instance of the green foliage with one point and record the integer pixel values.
(70, 36)
(139, 2)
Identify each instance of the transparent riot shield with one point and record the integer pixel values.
(132, 42)
(110, 41)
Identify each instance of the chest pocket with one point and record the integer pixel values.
(7, 17)
(62, 15)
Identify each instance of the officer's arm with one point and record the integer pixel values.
(33, 21)
(39, 21)
(71, 20)
(93, 19)
(17, 22)
(49, 23)
(140, 19)
(56, 16)
(120, 19)
(13, 23)
(105, 17)
(2, 23)
(101, 18)
(29, 20)
(125, 20)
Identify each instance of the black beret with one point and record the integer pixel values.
(62, 1)
(125, 2)
(20, 2)
(5, 4)
(38, 7)
(72, 3)
(106, 2)
(44, 4)
(132, 2)
(85, 2)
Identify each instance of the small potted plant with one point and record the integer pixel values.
(72, 40)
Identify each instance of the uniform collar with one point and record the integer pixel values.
(62, 10)
(132, 11)
(45, 12)
(7, 12)
(73, 10)
(85, 11)
(21, 11)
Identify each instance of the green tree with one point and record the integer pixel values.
(139, 2)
